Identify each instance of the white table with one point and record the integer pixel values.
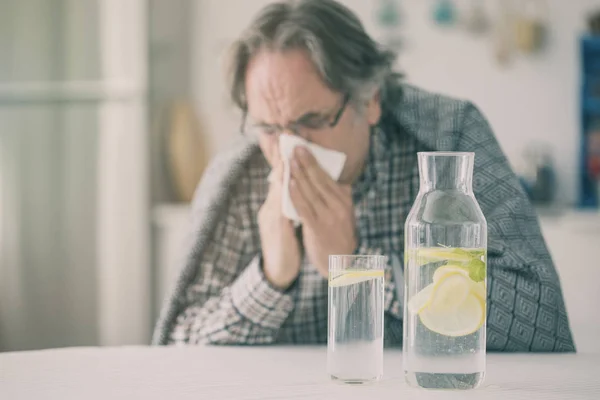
(213, 373)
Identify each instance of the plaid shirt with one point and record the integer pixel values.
(230, 300)
(222, 296)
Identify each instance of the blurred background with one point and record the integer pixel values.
(110, 110)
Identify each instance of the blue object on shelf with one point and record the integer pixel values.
(591, 106)
(590, 115)
(444, 12)
(388, 15)
(590, 52)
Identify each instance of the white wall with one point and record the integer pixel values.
(535, 98)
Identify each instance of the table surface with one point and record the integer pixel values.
(269, 373)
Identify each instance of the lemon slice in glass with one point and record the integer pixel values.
(354, 277)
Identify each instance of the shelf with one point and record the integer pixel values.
(170, 214)
(583, 221)
(69, 91)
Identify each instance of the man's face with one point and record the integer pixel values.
(285, 88)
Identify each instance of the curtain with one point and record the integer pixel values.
(73, 179)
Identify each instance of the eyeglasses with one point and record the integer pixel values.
(305, 125)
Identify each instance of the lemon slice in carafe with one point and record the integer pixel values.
(466, 319)
(447, 270)
(455, 307)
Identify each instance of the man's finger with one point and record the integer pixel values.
(344, 194)
(275, 154)
(306, 188)
(314, 173)
(303, 206)
(276, 182)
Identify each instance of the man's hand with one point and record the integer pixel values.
(280, 246)
(325, 208)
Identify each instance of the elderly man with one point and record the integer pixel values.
(251, 276)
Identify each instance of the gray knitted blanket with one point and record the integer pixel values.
(526, 311)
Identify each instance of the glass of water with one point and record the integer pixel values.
(355, 340)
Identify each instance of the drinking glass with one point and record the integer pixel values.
(355, 340)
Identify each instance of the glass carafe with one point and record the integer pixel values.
(445, 277)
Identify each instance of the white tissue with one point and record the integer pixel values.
(331, 161)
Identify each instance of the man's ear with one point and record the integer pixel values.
(374, 109)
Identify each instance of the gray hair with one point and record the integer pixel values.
(347, 58)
